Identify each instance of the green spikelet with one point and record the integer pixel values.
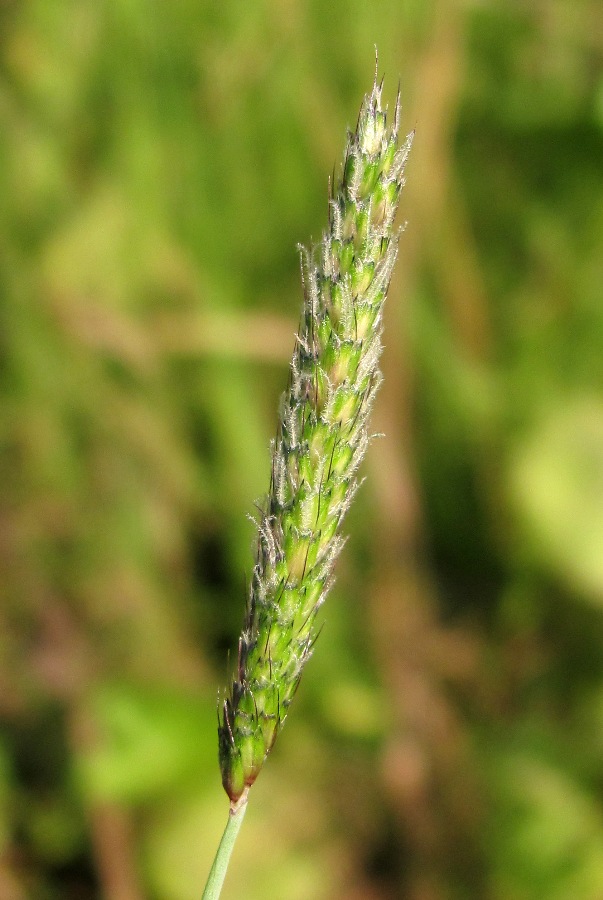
(321, 440)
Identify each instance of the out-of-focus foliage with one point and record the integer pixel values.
(158, 165)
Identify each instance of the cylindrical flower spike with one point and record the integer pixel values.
(321, 440)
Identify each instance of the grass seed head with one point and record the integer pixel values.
(321, 440)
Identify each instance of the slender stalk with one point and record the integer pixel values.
(217, 874)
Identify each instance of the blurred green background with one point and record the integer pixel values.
(159, 162)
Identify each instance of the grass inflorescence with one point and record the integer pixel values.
(321, 440)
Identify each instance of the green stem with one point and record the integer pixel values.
(217, 874)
